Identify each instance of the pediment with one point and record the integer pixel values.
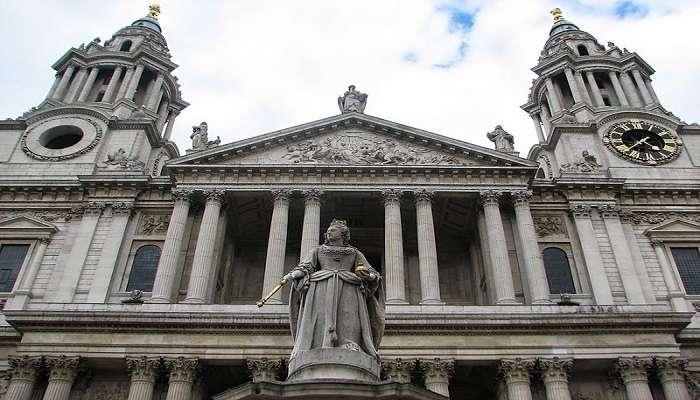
(674, 229)
(23, 226)
(351, 139)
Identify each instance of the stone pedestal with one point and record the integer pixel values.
(333, 363)
(328, 389)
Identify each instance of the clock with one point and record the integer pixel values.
(642, 142)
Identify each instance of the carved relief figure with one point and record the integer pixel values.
(352, 101)
(503, 140)
(356, 149)
(200, 137)
(586, 164)
(122, 160)
(336, 300)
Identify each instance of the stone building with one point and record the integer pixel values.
(130, 271)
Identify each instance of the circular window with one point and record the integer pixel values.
(61, 137)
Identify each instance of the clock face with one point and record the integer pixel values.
(642, 142)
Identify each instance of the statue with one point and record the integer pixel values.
(200, 137)
(120, 159)
(504, 141)
(352, 101)
(586, 164)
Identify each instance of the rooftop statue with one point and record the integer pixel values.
(503, 140)
(200, 137)
(352, 101)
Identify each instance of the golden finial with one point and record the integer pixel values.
(154, 10)
(557, 14)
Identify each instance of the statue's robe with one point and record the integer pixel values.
(332, 307)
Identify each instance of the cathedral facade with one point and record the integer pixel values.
(131, 271)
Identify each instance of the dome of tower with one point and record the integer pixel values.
(565, 36)
(148, 22)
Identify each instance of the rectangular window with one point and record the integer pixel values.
(11, 260)
(688, 262)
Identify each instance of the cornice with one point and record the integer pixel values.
(148, 125)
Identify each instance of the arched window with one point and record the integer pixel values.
(556, 265)
(143, 270)
(126, 46)
(582, 50)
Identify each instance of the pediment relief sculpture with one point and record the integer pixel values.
(587, 164)
(122, 160)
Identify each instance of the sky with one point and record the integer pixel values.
(453, 67)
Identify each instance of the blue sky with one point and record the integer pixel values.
(454, 67)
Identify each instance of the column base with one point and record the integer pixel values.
(159, 300)
(543, 302)
(396, 301)
(508, 302)
(432, 302)
(193, 301)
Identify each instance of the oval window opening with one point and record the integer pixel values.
(61, 137)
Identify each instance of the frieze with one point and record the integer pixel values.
(356, 148)
(48, 216)
(549, 226)
(653, 218)
(154, 224)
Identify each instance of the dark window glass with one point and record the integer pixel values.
(558, 271)
(126, 46)
(688, 263)
(11, 259)
(143, 271)
(582, 50)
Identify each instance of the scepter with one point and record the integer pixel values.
(274, 290)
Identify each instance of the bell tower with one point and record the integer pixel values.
(579, 79)
(129, 75)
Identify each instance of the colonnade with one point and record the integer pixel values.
(75, 84)
(394, 271)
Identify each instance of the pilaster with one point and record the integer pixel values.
(591, 253)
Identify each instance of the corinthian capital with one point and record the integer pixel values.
(555, 368)
(671, 368)
(143, 368)
(94, 208)
(609, 211)
(63, 368)
(214, 195)
(633, 368)
(281, 195)
(490, 197)
(264, 369)
(122, 208)
(312, 195)
(580, 211)
(25, 367)
(521, 197)
(516, 369)
(437, 370)
(423, 195)
(181, 369)
(399, 370)
(391, 196)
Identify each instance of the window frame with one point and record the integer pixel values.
(22, 271)
(136, 244)
(667, 246)
(572, 273)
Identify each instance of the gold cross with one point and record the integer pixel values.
(557, 14)
(154, 10)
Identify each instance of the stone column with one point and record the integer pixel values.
(88, 84)
(76, 85)
(437, 374)
(646, 96)
(634, 375)
(623, 254)
(154, 93)
(99, 290)
(264, 369)
(538, 126)
(516, 374)
(534, 266)
(427, 252)
(675, 295)
(203, 261)
(144, 371)
(169, 129)
(276, 244)
(56, 81)
(124, 83)
(630, 90)
(63, 84)
(311, 230)
(671, 373)
(575, 92)
(650, 87)
(582, 85)
(23, 374)
(591, 253)
(166, 275)
(555, 102)
(134, 82)
(618, 89)
(393, 248)
(597, 96)
(546, 119)
(76, 259)
(502, 274)
(398, 370)
(555, 374)
(21, 296)
(181, 374)
(62, 373)
(112, 85)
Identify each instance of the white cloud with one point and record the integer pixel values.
(249, 67)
